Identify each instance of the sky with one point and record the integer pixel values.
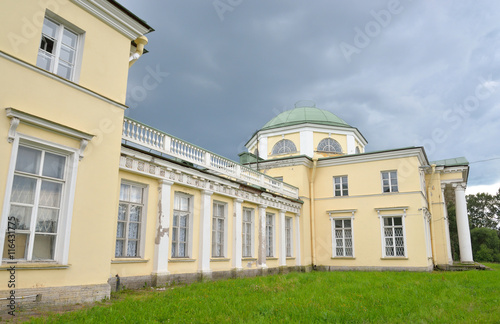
(405, 73)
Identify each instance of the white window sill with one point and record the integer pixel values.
(290, 258)
(181, 260)
(271, 258)
(219, 259)
(133, 260)
(248, 259)
(394, 258)
(33, 266)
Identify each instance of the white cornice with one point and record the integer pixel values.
(113, 17)
(279, 163)
(378, 156)
(307, 127)
(146, 165)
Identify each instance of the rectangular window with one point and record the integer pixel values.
(247, 231)
(288, 236)
(58, 49)
(218, 223)
(390, 181)
(343, 237)
(180, 226)
(269, 235)
(340, 186)
(394, 240)
(36, 199)
(130, 220)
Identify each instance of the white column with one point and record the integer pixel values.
(282, 239)
(447, 226)
(263, 147)
(237, 232)
(351, 144)
(205, 222)
(297, 239)
(161, 253)
(463, 224)
(261, 258)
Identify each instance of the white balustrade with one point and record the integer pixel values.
(141, 134)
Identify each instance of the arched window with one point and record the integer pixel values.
(329, 145)
(357, 151)
(284, 146)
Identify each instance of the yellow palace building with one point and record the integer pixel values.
(91, 199)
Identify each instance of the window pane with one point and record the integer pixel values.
(22, 215)
(46, 221)
(394, 174)
(182, 235)
(385, 175)
(28, 160)
(135, 213)
(398, 221)
(53, 166)
(182, 249)
(387, 221)
(43, 247)
(122, 212)
(49, 28)
(174, 234)
(183, 221)
(64, 70)
(44, 60)
(119, 248)
(132, 248)
(69, 38)
(23, 190)
(338, 223)
(347, 223)
(136, 194)
(176, 220)
(124, 192)
(133, 231)
(20, 251)
(120, 230)
(50, 194)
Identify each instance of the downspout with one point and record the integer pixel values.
(140, 43)
(311, 210)
(429, 203)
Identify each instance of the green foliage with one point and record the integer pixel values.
(484, 210)
(452, 221)
(485, 244)
(316, 297)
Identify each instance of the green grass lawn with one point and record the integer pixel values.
(343, 297)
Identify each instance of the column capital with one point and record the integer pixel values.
(263, 206)
(165, 182)
(207, 192)
(459, 186)
(283, 211)
(238, 200)
(443, 186)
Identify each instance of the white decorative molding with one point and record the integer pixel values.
(341, 211)
(130, 161)
(389, 209)
(29, 119)
(12, 130)
(113, 17)
(62, 80)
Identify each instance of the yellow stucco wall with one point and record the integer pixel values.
(105, 50)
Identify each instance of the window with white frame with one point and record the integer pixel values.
(394, 240)
(389, 181)
(269, 235)
(284, 146)
(329, 145)
(180, 226)
(247, 232)
(218, 225)
(130, 220)
(343, 240)
(341, 187)
(37, 197)
(58, 52)
(288, 236)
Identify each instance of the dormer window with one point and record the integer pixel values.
(329, 145)
(58, 52)
(284, 147)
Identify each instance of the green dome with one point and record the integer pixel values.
(303, 115)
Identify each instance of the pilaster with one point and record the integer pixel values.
(282, 240)
(205, 222)
(297, 240)
(237, 226)
(261, 258)
(161, 252)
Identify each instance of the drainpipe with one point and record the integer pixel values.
(140, 43)
(311, 209)
(429, 202)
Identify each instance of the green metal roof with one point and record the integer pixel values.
(304, 115)
(451, 162)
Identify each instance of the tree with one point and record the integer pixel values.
(483, 210)
(485, 244)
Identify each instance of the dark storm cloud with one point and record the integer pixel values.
(403, 72)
